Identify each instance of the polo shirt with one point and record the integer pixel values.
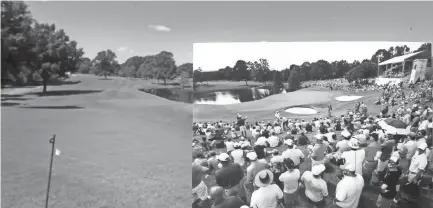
(229, 176)
(418, 162)
(294, 154)
(349, 191)
(266, 197)
(315, 188)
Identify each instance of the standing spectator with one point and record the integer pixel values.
(418, 163)
(268, 195)
(252, 170)
(389, 184)
(290, 179)
(318, 151)
(349, 189)
(296, 155)
(238, 155)
(230, 176)
(199, 190)
(354, 157)
(316, 188)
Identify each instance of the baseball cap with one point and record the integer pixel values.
(350, 167)
(223, 157)
(422, 146)
(252, 155)
(318, 169)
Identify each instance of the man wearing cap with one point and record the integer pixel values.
(354, 156)
(369, 162)
(241, 124)
(389, 184)
(221, 200)
(268, 195)
(252, 170)
(418, 163)
(274, 141)
(238, 155)
(296, 155)
(290, 179)
(343, 145)
(316, 188)
(230, 176)
(349, 189)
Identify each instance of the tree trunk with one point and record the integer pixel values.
(165, 81)
(105, 76)
(45, 82)
(246, 82)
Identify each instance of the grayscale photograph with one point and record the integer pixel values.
(313, 124)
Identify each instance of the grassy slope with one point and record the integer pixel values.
(117, 151)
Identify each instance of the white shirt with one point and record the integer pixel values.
(356, 158)
(423, 125)
(277, 114)
(294, 154)
(238, 156)
(230, 146)
(261, 140)
(315, 189)
(277, 129)
(411, 146)
(290, 181)
(273, 141)
(277, 158)
(266, 197)
(418, 162)
(349, 191)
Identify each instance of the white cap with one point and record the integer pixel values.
(422, 146)
(289, 142)
(350, 167)
(223, 157)
(252, 155)
(318, 169)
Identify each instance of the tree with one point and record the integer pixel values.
(197, 75)
(105, 63)
(184, 79)
(294, 81)
(84, 66)
(278, 81)
(363, 70)
(321, 70)
(164, 65)
(186, 67)
(241, 71)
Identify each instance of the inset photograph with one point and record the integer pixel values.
(312, 124)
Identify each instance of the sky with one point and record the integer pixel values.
(281, 55)
(147, 28)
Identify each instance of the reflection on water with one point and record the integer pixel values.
(235, 96)
(215, 98)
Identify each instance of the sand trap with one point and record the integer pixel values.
(348, 98)
(300, 110)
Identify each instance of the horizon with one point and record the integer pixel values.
(281, 55)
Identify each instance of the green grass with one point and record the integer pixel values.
(124, 148)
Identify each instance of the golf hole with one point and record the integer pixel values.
(347, 98)
(301, 111)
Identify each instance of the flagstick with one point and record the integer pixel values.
(52, 141)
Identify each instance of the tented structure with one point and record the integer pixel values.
(407, 58)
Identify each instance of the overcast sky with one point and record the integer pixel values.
(144, 28)
(280, 55)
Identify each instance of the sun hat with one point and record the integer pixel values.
(252, 156)
(345, 133)
(236, 144)
(422, 146)
(264, 178)
(224, 157)
(289, 142)
(318, 169)
(353, 143)
(245, 144)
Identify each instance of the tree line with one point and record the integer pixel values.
(259, 71)
(34, 52)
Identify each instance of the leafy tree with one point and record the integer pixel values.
(186, 67)
(278, 81)
(321, 70)
(197, 75)
(364, 70)
(294, 81)
(184, 79)
(164, 66)
(105, 63)
(241, 71)
(84, 66)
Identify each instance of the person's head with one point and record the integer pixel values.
(224, 158)
(264, 178)
(289, 164)
(422, 147)
(217, 193)
(318, 170)
(349, 170)
(237, 146)
(229, 139)
(411, 136)
(200, 155)
(392, 163)
(203, 138)
(212, 154)
(275, 152)
(252, 156)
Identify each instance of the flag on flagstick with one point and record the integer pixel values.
(57, 153)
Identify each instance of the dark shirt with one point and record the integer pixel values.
(309, 128)
(241, 121)
(289, 136)
(260, 151)
(303, 140)
(229, 176)
(230, 202)
(391, 179)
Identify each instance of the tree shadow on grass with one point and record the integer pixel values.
(104, 79)
(64, 92)
(60, 82)
(64, 107)
(9, 104)
(168, 84)
(3, 99)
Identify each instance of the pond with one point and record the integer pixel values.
(215, 98)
